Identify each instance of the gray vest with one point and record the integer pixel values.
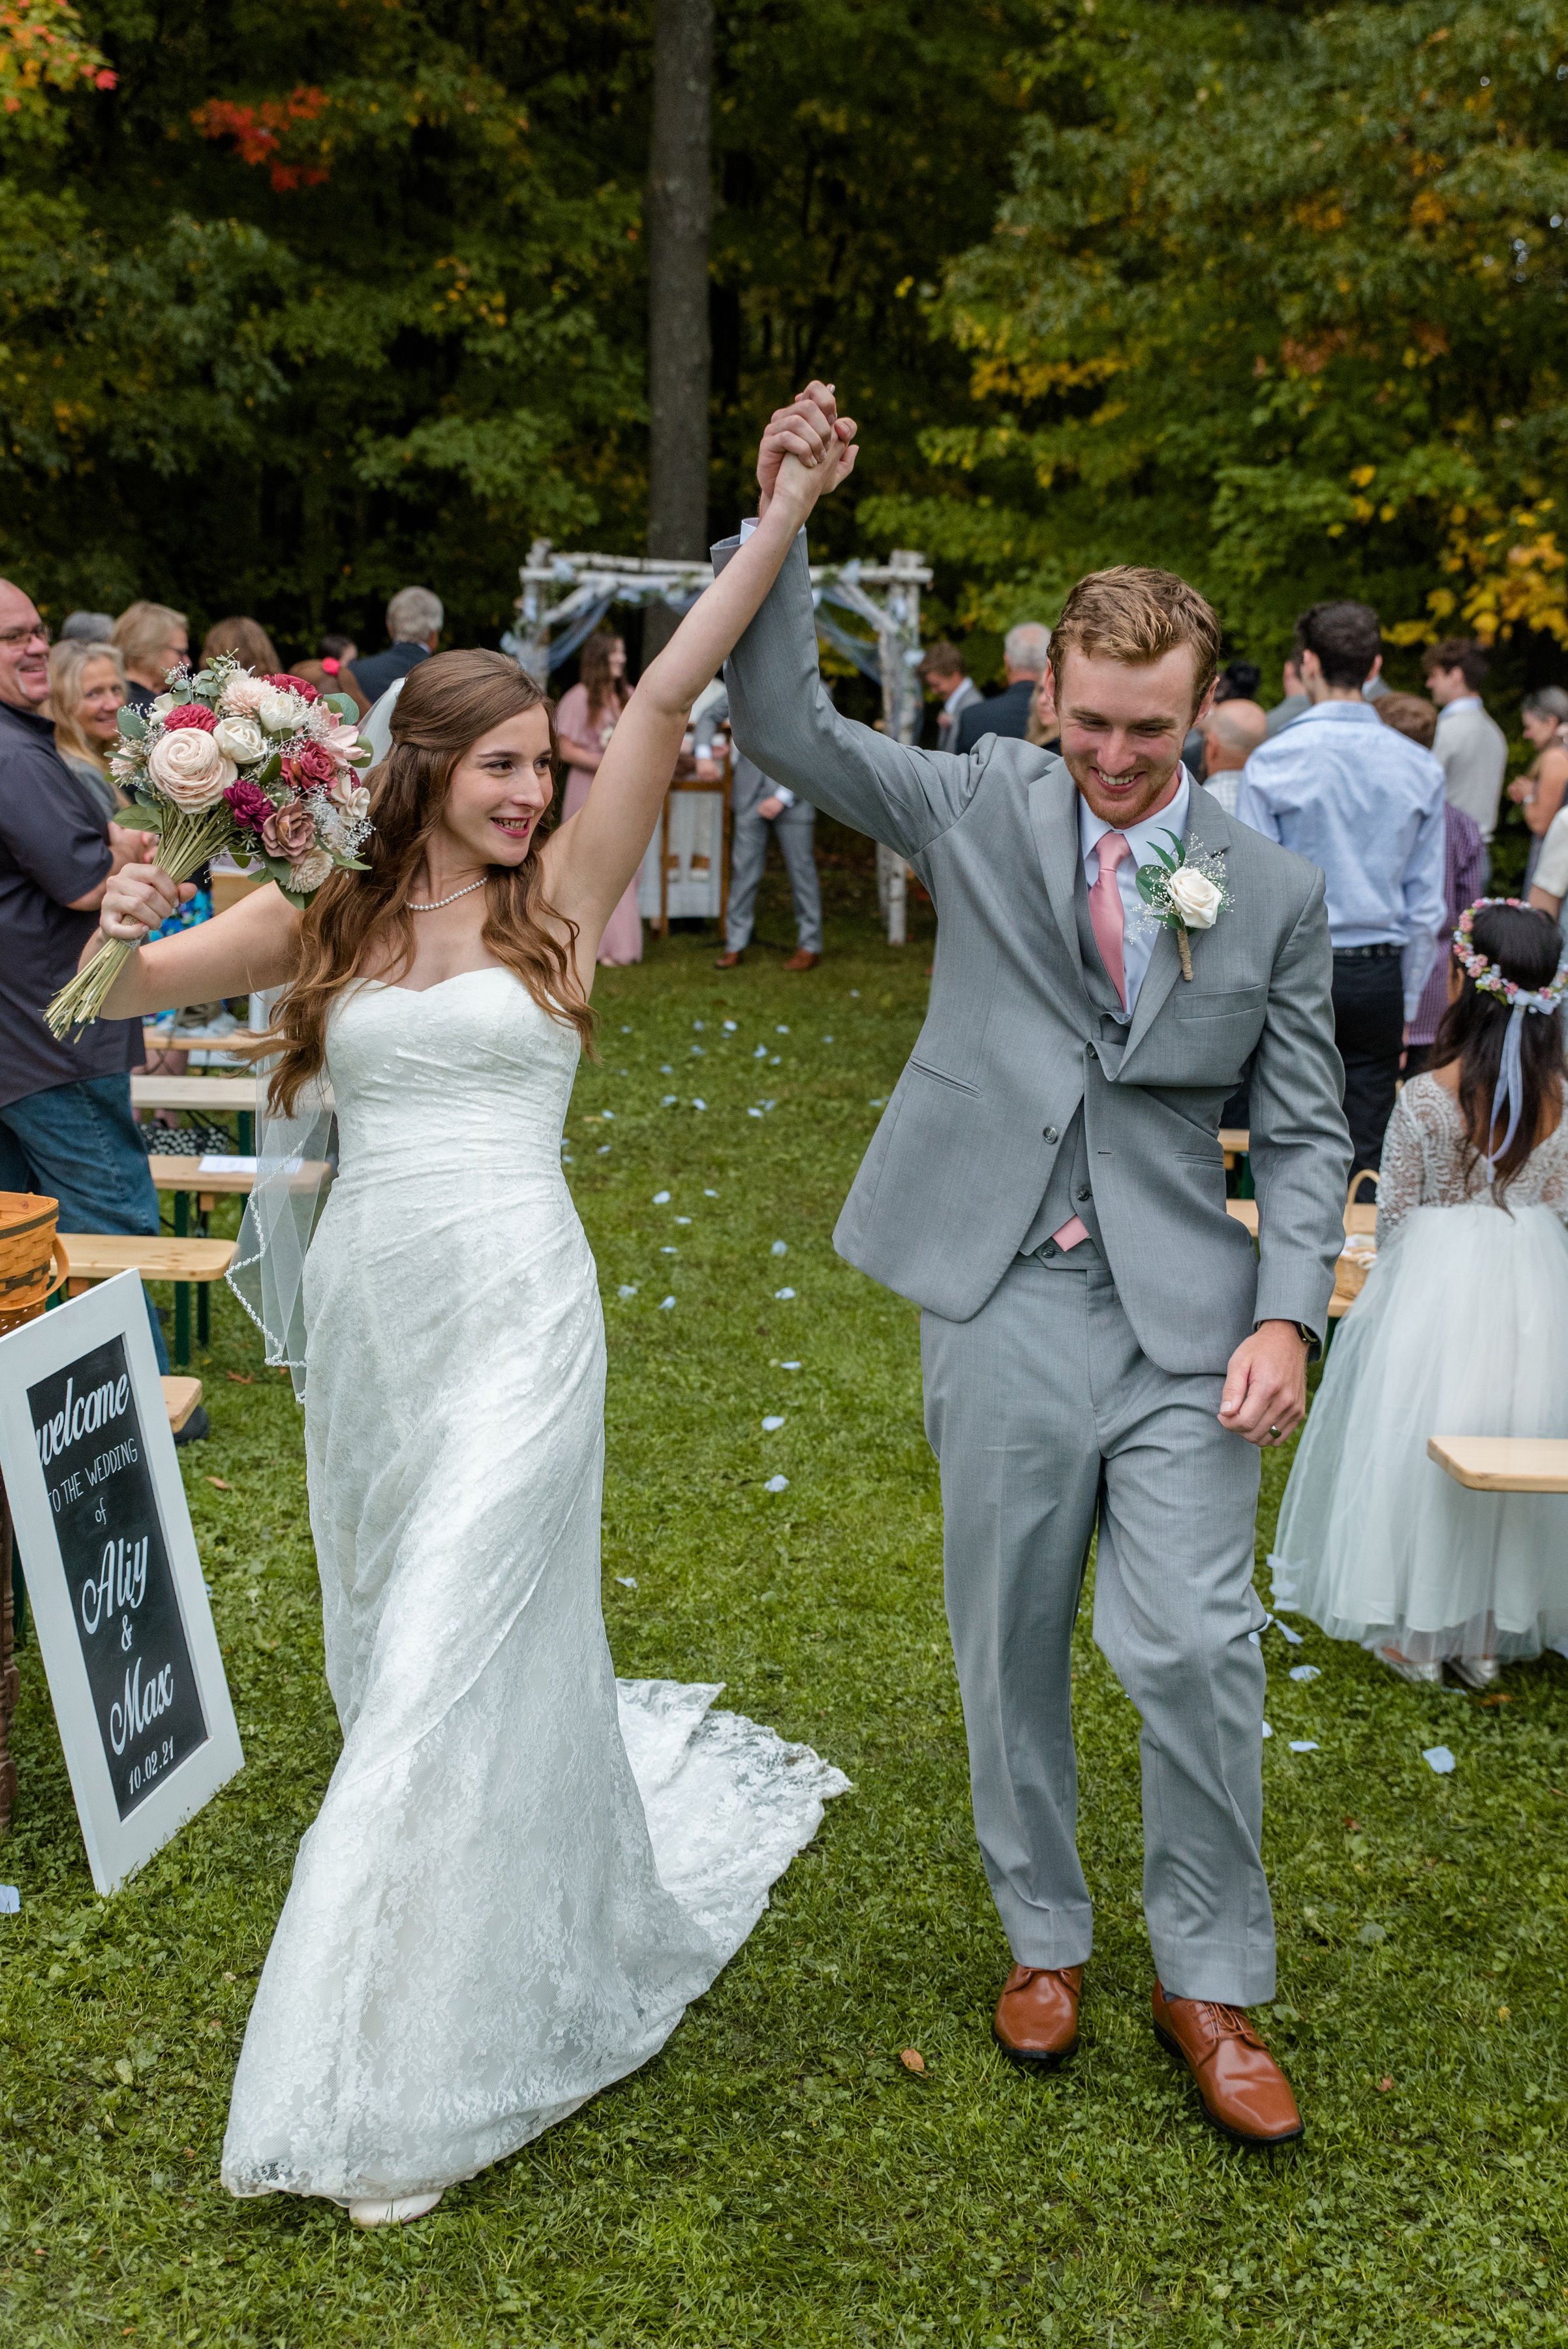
(1071, 1189)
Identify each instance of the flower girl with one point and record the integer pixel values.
(1461, 1329)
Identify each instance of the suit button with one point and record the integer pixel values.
(1091, 1052)
(1051, 1135)
(1085, 1193)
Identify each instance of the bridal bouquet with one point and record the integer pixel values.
(262, 767)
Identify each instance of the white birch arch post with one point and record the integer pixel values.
(566, 595)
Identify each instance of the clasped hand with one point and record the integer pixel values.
(812, 432)
(138, 899)
(1265, 1385)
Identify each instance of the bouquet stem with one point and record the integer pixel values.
(1184, 949)
(186, 845)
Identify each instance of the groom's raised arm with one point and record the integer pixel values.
(781, 716)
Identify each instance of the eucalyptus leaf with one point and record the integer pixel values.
(131, 724)
(348, 709)
(297, 897)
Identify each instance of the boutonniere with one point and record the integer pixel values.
(1183, 893)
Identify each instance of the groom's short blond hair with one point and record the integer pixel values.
(1133, 614)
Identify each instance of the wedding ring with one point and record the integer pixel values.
(1274, 1431)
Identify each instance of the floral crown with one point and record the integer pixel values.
(1487, 976)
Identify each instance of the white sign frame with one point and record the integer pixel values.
(116, 1847)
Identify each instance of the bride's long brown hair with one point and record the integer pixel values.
(356, 919)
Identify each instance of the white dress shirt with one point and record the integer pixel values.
(1472, 749)
(1144, 837)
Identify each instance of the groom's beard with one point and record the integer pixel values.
(1150, 788)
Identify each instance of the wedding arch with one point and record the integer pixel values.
(566, 595)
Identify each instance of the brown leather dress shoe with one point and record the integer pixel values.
(728, 961)
(1244, 2092)
(1036, 2021)
(802, 959)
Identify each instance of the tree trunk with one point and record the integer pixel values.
(679, 206)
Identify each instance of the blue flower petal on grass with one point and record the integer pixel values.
(1267, 1730)
(661, 1198)
(781, 1248)
(783, 1292)
(1303, 1671)
(774, 1421)
(1438, 1758)
(776, 1485)
(1303, 1745)
(698, 1105)
(667, 1305)
(627, 1581)
(789, 1366)
(627, 1288)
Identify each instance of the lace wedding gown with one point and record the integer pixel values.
(521, 1873)
(1461, 1329)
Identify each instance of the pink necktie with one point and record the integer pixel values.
(1108, 919)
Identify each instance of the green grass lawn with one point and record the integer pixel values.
(778, 2176)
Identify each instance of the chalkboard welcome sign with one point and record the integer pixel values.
(123, 1623)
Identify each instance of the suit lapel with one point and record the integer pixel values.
(1053, 819)
(1208, 829)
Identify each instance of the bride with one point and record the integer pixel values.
(520, 1875)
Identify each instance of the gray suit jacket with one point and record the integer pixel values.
(1012, 1045)
(748, 785)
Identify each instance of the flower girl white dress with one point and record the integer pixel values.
(521, 1873)
(1461, 1329)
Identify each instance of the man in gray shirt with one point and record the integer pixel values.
(1470, 746)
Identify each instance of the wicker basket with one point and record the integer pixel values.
(32, 1260)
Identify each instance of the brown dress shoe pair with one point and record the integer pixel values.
(1036, 2019)
(1244, 2092)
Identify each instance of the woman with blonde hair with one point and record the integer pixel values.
(88, 689)
(522, 1873)
(152, 639)
(588, 716)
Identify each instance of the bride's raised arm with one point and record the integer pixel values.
(251, 946)
(593, 856)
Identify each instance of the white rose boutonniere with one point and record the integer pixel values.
(1183, 893)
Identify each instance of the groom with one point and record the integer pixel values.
(1102, 1350)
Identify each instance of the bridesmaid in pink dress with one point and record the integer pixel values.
(584, 721)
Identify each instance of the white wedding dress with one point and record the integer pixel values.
(521, 1873)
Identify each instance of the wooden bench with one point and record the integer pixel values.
(238, 1096)
(199, 1039)
(1504, 1464)
(181, 1397)
(100, 1255)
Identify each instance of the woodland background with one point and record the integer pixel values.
(299, 304)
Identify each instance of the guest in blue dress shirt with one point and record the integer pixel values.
(1364, 804)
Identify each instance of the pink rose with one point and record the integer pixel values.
(289, 831)
(190, 713)
(251, 806)
(310, 769)
(189, 769)
(344, 745)
(285, 683)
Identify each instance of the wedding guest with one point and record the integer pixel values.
(66, 1123)
(949, 684)
(759, 806)
(1364, 804)
(1539, 791)
(1464, 870)
(338, 654)
(243, 640)
(331, 677)
(414, 618)
(152, 639)
(585, 720)
(1231, 732)
(1024, 653)
(1549, 888)
(1045, 728)
(1458, 1330)
(87, 694)
(1469, 743)
(87, 628)
(1238, 681)
(1295, 699)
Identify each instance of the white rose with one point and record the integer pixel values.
(163, 703)
(189, 768)
(1195, 897)
(242, 739)
(244, 694)
(310, 872)
(280, 712)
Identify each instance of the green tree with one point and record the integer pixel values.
(1277, 300)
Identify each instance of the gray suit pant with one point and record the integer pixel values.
(796, 830)
(1045, 1415)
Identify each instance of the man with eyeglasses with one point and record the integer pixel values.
(66, 1125)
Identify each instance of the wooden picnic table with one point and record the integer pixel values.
(1504, 1464)
(100, 1255)
(199, 1039)
(240, 1096)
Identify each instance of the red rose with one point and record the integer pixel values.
(287, 684)
(249, 805)
(190, 713)
(311, 769)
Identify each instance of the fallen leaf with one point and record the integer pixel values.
(239, 1378)
(1503, 2013)
(912, 2059)
(219, 1485)
(1498, 1696)
(1384, 2085)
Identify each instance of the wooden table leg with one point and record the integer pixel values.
(10, 1679)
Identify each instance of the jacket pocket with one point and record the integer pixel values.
(1231, 1004)
(941, 1077)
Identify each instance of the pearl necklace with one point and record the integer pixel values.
(434, 904)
